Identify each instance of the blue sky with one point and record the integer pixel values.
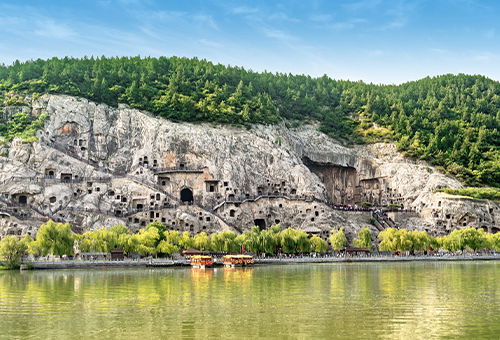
(378, 41)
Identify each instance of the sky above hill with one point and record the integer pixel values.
(380, 41)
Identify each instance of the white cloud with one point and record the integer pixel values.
(151, 32)
(485, 57)
(375, 53)
(321, 18)
(210, 43)
(362, 5)
(50, 29)
(347, 24)
(400, 14)
(277, 34)
(163, 15)
(244, 10)
(438, 50)
(206, 20)
(280, 16)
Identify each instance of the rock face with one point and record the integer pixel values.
(96, 166)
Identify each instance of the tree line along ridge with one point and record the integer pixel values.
(450, 120)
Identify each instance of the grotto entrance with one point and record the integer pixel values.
(261, 223)
(23, 200)
(66, 178)
(50, 173)
(186, 195)
(340, 181)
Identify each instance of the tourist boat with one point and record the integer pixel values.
(201, 261)
(238, 260)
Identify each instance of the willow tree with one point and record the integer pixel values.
(55, 238)
(172, 237)
(294, 241)
(338, 239)
(493, 241)
(147, 240)
(94, 241)
(186, 241)
(364, 239)
(252, 240)
(318, 245)
(201, 241)
(165, 247)
(224, 241)
(271, 239)
(12, 250)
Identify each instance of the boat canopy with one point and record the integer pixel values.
(239, 256)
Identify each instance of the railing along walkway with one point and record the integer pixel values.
(254, 198)
(40, 179)
(157, 170)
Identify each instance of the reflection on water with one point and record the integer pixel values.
(399, 300)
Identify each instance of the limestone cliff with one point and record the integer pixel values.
(96, 165)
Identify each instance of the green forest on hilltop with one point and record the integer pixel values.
(451, 120)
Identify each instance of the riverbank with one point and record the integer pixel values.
(305, 260)
(77, 264)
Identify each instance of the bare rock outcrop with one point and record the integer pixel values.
(96, 166)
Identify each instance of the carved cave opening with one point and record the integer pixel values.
(23, 200)
(50, 173)
(261, 223)
(339, 181)
(186, 195)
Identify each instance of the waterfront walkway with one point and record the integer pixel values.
(79, 264)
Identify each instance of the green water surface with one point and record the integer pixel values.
(331, 301)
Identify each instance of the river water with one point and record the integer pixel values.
(322, 301)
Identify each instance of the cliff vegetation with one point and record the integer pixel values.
(451, 120)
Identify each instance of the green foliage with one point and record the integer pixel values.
(338, 240)
(475, 192)
(165, 247)
(318, 245)
(294, 241)
(270, 239)
(364, 239)
(93, 241)
(55, 239)
(186, 241)
(493, 241)
(224, 241)
(201, 241)
(103, 240)
(22, 125)
(251, 240)
(12, 250)
(273, 240)
(173, 237)
(467, 238)
(117, 236)
(404, 240)
(147, 239)
(159, 226)
(451, 120)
